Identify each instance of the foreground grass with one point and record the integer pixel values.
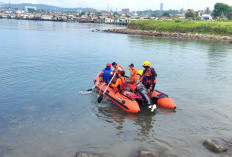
(201, 27)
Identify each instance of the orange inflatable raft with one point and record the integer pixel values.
(129, 101)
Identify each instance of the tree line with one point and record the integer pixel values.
(220, 10)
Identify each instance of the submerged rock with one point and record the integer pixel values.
(144, 153)
(215, 145)
(83, 154)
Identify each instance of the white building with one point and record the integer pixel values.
(206, 17)
(46, 17)
(30, 8)
(109, 20)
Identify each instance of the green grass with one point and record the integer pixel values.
(200, 27)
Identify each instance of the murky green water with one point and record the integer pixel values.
(43, 66)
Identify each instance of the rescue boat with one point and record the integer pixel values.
(126, 100)
(129, 101)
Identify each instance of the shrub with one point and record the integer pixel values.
(203, 27)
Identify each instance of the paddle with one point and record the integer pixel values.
(101, 96)
(91, 88)
(87, 91)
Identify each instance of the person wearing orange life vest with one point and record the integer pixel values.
(117, 68)
(120, 82)
(134, 73)
(150, 75)
(133, 78)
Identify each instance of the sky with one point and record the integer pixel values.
(134, 5)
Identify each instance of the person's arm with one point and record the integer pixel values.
(116, 84)
(144, 80)
(101, 74)
(141, 79)
(122, 68)
(119, 69)
(153, 76)
(132, 72)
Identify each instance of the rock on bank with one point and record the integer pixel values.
(171, 35)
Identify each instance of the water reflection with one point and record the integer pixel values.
(5, 150)
(110, 113)
(218, 63)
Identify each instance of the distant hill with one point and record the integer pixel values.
(21, 6)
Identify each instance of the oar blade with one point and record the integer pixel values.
(100, 98)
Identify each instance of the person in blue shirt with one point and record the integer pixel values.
(107, 73)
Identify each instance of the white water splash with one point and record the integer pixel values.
(85, 92)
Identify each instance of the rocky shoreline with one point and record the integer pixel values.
(215, 145)
(171, 35)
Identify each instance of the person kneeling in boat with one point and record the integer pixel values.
(151, 75)
(143, 91)
(107, 74)
(120, 82)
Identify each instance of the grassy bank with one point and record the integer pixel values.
(201, 27)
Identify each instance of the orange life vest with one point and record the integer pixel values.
(134, 77)
(123, 84)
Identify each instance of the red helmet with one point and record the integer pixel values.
(108, 65)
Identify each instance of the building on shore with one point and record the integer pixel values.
(161, 6)
(206, 17)
(126, 11)
(30, 8)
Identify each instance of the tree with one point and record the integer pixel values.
(116, 14)
(82, 13)
(220, 8)
(207, 10)
(189, 14)
(230, 16)
(222, 15)
(153, 15)
(166, 14)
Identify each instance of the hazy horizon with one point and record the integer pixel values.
(131, 4)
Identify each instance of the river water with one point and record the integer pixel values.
(44, 66)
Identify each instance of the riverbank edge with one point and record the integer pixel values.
(171, 35)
